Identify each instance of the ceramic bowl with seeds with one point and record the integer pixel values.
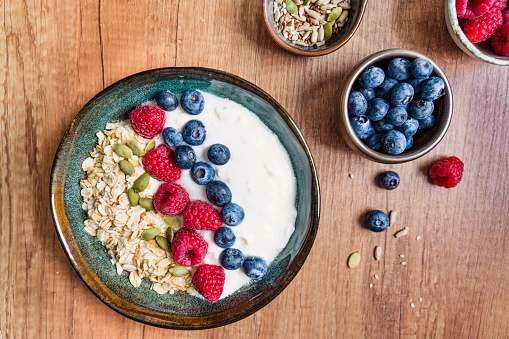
(312, 27)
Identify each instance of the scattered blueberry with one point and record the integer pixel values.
(377, 221)
(167, 100)
(382, 125)
(394, 142)
(409, 142)
(202, 173)
(224, 237)
(410, 127)
(218, 154)
(194, 132)
(192, 102)
(362, 126)
(420, 109)
(427, 122)
(371, 77)
(432, 89)
(369, 93)
(389, 180)
(374, 142)
(232, 214)
(231, 258)
(384, 90)
(402, 94)
(421, 68)
(255, 267)
(184, 157)
(218, 193)
(357, 104)
(397, 116)
(399, 69)
(377, 109)
(172, 137)
(416, 84)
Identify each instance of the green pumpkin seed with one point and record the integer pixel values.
(122, 151)
(150, 146)
(334, 14)
(327, 31)
(163, 243)
(135, 147)
(133, 197)
(126, 167)
(147, 204)
(323, 11)
(150, 234)
(178, 271)
(141, 183)
(169, 234)
(306, 2)
(291, 7)
(172, 222)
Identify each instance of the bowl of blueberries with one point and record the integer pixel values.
(396, 106)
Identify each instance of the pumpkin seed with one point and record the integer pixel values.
(378, 252)
(133, 197)
(178, 271)
(334, 14)
(306, 2)
(172, 222)
(147, 204)
(135, 147)
(323, 11)
(122, 151)
(169, 234)
(126, 167)
(150, 146)
(291, 7)
(141, 183)
(327, 31)
(150, 234)
(354, 259)
(163, 243)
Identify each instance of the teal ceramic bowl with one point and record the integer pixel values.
(90, 260)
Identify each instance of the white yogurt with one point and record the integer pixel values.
(259, 175)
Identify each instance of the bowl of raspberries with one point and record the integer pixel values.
(396, 106)
(480, 28)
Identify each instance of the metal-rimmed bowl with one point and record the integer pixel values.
(356, 12)
(482, 51)
(89, 258)
(424, 141)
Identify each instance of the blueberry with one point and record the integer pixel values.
(202, 173)
(399, 69)
(232, 214)
(402, 94)
(194, 132)
(255, 267)
(218, 154)
(389, 180)
(421, 68)
(409, 142)
(427, 122)
(409, 128)
(377, 109)
(377, 221)
(184, 157)
(172, 137)
(382, 125)
(397, 116)
(432, 89)
(167, 100)
(231, 258)
(385, 89)
(369, 93)
(218, 193)
(416, 84)
(362, 126)
(374, 142)
(371, 77)
(224, 237)
(394, 142)
(420, 109)
(357, 104)
(192, 102)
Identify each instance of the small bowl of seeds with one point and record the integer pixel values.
(312, 27)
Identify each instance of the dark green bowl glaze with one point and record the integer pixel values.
(89, 258)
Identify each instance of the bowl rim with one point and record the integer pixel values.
(462, 41)
(301, 50)
(357, 144)
(142, 314)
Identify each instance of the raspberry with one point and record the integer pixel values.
(147, 121)
(463, 11)
(208, 280)
(482, 28)
(159, 164)
(171, 199)
(201, 216)
(447, 173)
(499, 5)
(188, 247)
(500, 41)
(505, 16)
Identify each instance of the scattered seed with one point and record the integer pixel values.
(126, 167)
(350, 175)
(291, 7)
(163, 242)
(370, 285)
(392, 217)
(141, 183)
(327, 31)
(150, 146)
(378, 252)
(354, 259)
(178, 271)
(403, 263)
(402, 255)
(135, 147)
(122, 151)
(133, 197)
(147, 203)
(406, 227)
(150, 233)
(420, 300)
(334, 14)
(412, 305)
(172, 222)
(376, 276)
(401, 233)
(169, 234)
(418, 238)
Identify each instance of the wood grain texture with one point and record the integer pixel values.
(58, 54)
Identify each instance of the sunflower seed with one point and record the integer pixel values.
(378, 252)
(354, 259)
(392, 217)
(412, 305)
(418, 238)
(403, 263)
(401, 233)
(420, 300)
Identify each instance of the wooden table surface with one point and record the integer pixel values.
(59, 54)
